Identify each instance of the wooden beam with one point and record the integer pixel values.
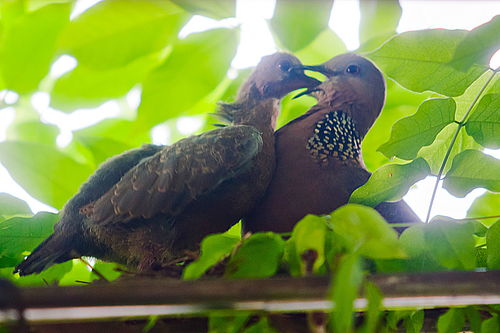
(142, 298)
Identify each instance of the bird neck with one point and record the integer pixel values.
(261, 114)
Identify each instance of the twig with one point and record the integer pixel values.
(448, 152)
(96, 272)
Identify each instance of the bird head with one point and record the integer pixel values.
(275, 76)
(352, 79)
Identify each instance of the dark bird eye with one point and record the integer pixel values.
(285, 66)
(352, 69)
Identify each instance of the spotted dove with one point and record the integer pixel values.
(167, 201)
(318, 156)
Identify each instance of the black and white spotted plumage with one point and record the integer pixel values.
(335, 135)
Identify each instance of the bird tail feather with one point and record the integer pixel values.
(51, 251)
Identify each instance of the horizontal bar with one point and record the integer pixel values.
(142, 298)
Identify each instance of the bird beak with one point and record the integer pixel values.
(305, 92)
(305, 80)
(320, 69)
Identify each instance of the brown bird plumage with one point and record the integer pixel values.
(319, 162)
(165, 204)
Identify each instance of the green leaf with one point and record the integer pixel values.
(28, 46)
(226, 324)
(412, 133)
(212, 8)
(84, 87)
(421, 60)
(487, 204)
(451, 243)
(435, 153)
(474, 318)
(297, 23)
(214, 248)
(10, 205)
(365, 232)
(452, 321)
(127, 132)
(325, 46)
(378, 18)
(374, 310)
(345, 288)
(493, 246)
(20, 234)
(479, 45)
(101, 148)
(47, 174)
(50, 276)
(491, 325)
(472, 169)
(390, 182)
(307, 235)
(484, 123)
(258, 257)
(194, 68)
(479, 228)
(400, 102)
(115, 32)
(414, 322)
(33, 131)
(262, 326)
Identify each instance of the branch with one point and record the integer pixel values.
(141, 298)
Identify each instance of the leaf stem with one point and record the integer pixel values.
(448, 152)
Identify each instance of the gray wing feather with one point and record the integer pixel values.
(170, 180)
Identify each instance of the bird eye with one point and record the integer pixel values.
(352, 69)
(285, 66)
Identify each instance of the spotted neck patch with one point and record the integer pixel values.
(335, 136)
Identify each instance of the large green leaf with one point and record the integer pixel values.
(114, 32)
(33, 131)
(420, 257)
(487, 204)
(121, 130)
(28, 46)
(365, 232)
(296, 23)
(479, 45)
(217, 9)
(421, 60)
(491, 325)
(484, 123)
(400, 102)
(412, 133)
(258, 257)
(435, 153)
(84, 87)
(414, 322)
(451, 243)
(493, 246)
(20, 234)
(345, 288)
(378, 18)
(452, 321)
(10, 205)
(214, 248)
(194, 68)
(101, 148)
(308, 235)
(46, 173)
(325, 46)
(472, 169)
(390, 182)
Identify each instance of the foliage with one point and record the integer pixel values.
(126, 45)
